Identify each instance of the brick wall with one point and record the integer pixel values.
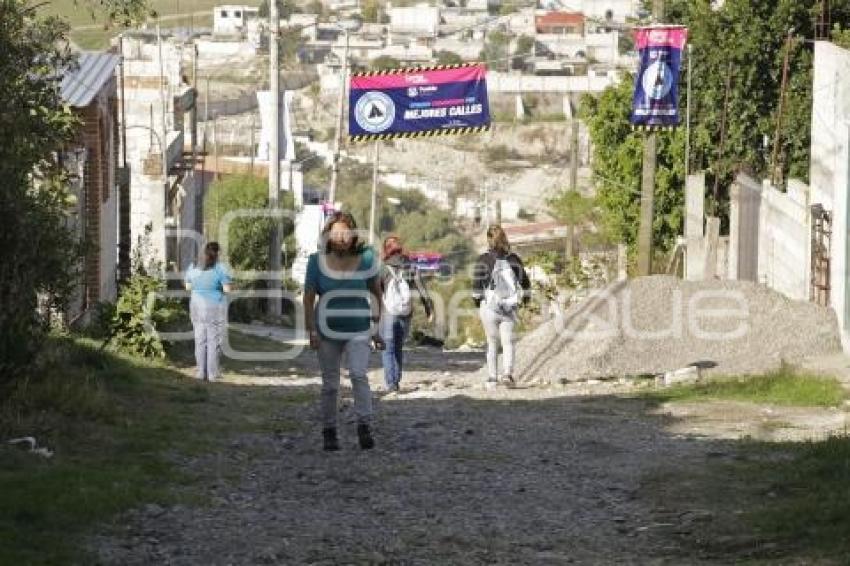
(97, 135)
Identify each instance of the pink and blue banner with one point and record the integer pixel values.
(418, 102)
(656, 95)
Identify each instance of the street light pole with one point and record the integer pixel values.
(339, 127)
(164, 150)
(374, 194)
(273, 305)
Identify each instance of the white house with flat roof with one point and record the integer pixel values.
(421, 20)
(232, 19)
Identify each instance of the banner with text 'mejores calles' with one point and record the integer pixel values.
(432, 101)
(656, 96)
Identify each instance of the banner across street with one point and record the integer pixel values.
(418, 102)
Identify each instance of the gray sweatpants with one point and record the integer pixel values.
(208, 322)
(498, 328)
(330, 359)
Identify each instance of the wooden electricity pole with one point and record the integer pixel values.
(775, 173)
(647, 190)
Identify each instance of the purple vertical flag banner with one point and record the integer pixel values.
(419, 102)
(656, 97)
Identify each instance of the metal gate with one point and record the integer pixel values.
(821, 262)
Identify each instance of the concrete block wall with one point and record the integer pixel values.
(830, 170)
(784, 241)
(770, 236)
(744, 215)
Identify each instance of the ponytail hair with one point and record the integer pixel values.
(210, 255)
(498, 240)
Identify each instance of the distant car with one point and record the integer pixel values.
(430, 263)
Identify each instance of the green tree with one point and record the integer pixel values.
(617, 163)
(524, 48)
(573, 209)
(40, 254)
(448, 58)
(841, 37)
(746, 39)
(247, 238)
(370, 11)
(743, 42)
(285, 7)
(495, 52)
(124, 12)
(385, 62)
(415, 218)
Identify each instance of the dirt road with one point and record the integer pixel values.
(460, 475)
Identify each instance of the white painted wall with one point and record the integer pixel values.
(830, 169)
(211, 50)
(770, 236)
(231, 19)
(420, 20)
(503, 82)
(784, 240)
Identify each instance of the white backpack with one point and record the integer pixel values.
(397, 300)
(505, 291)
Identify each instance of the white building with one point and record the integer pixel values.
(231, 19)
(306, 22)
(600, 47)
(617, 11)
(161, 124)
(421, 20)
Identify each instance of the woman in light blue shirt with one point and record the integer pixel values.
(208, 310)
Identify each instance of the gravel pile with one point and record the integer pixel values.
(656, 324)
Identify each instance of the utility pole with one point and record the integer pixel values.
(647, 204)
(339, 127)
(647, 190)
(199, 193)
(162, 146)
(486, 205)
(253, 127)
(721, 150)
(215, 147)
(374, 194)
(574, 155)
(688, 113)
(273, 304)
(775, 178)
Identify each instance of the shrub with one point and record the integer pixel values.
(137, 314)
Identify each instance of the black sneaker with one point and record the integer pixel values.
(509, 381)
(331, 441)
(364, 434)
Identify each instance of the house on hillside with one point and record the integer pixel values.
(233, 20)
(560, 23)
(421, 21)
(99, 188)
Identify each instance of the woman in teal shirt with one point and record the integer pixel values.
(344, 277)
(208, 310)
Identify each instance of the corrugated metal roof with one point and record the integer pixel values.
(80, 85)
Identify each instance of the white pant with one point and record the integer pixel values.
(330, 359)
(209, 321)
(498, 328)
